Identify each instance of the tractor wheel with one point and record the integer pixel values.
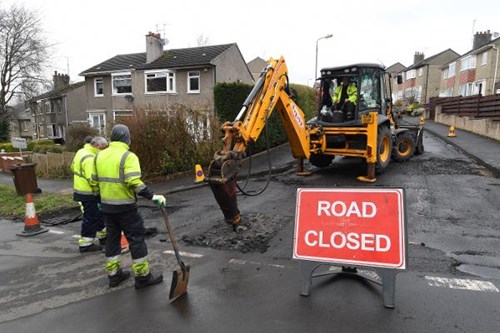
(420, 143)
(404, 147)
(384, 149)
(320, 160)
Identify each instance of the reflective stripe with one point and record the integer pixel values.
(85, 241)
(118, 202)
(112, 265)
(141, 267)
(122, 165)
(131, 174)
(85, 192)
(140, 188)
(109, 180)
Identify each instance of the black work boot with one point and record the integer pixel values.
(91, 248)
(119, 277)
(148, 280)
(102, 241)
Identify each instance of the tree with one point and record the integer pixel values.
(23, 54)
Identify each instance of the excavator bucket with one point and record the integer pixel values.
(225, 195)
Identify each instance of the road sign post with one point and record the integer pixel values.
(355, 227)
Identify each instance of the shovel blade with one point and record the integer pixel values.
(179, 285)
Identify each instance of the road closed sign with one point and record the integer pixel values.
(363, 227)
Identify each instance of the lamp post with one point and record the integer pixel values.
(316, 66)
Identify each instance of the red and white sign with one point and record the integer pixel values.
(364, 227)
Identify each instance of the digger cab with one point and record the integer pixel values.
(369, 91)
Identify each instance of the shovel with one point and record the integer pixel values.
(180, 277)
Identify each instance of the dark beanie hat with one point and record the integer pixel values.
(120, 133)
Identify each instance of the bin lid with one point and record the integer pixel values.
(21, 166)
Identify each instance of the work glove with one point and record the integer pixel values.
(159, 200)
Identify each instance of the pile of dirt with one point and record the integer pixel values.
(256, 232)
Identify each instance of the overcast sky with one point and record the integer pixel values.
(87, 32)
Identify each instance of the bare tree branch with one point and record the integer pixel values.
(23, 55)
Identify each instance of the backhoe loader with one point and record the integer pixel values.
(372, 133)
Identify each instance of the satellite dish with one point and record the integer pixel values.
(165, 41)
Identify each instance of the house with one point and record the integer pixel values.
(54, 111)
(475, 72)
(256, 66)
(422, 80)
(20, 121)
(395, 70)
(163, 78)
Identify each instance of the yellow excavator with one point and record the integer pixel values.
(372, 132)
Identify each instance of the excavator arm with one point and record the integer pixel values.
(271, 93)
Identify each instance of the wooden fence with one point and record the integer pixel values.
(53, 165)
(483, 107)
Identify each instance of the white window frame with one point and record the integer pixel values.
(420, 71)
(452, 69)
(484, 58)
(410, 74)
(444, 75)
(102, 128)
(113, 76)
(122, 113)
(169, 81)
(96, 80)
(193, 75)
(467, 63)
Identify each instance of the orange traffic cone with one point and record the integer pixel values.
(200, 177)
(451, 133)
(124, 244)
(31, 225)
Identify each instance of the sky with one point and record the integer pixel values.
(85, 33)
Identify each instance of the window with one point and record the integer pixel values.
(410, 74)
(484, 58)
(468, 63)
(445, 74)
(98, 121)
(452, 69)
(467, 89)
(50, 131)
(122, 113)
(98, 87)
(122, 83)
(160, 82)
(420, 71)
(193, 82)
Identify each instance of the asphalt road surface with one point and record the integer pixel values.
(247, 282)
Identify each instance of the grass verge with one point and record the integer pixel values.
(14, 205)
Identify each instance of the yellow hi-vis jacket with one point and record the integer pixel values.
(118, 174)
(83, 169)
(352, 93)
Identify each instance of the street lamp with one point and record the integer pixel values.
(316, 66)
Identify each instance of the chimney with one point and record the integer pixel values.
(418, 57)
(154, 47)
(60, 80)
(480, 39)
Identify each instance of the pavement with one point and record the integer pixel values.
(483, 150)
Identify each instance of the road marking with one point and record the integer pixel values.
(243, 262)
(465, 284)
(76, 236)
(57, 232)
(185, 254)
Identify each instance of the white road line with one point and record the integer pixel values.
(58, 232)
(243, 262)
(76, 236)
(185, 254)
(465, 284)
